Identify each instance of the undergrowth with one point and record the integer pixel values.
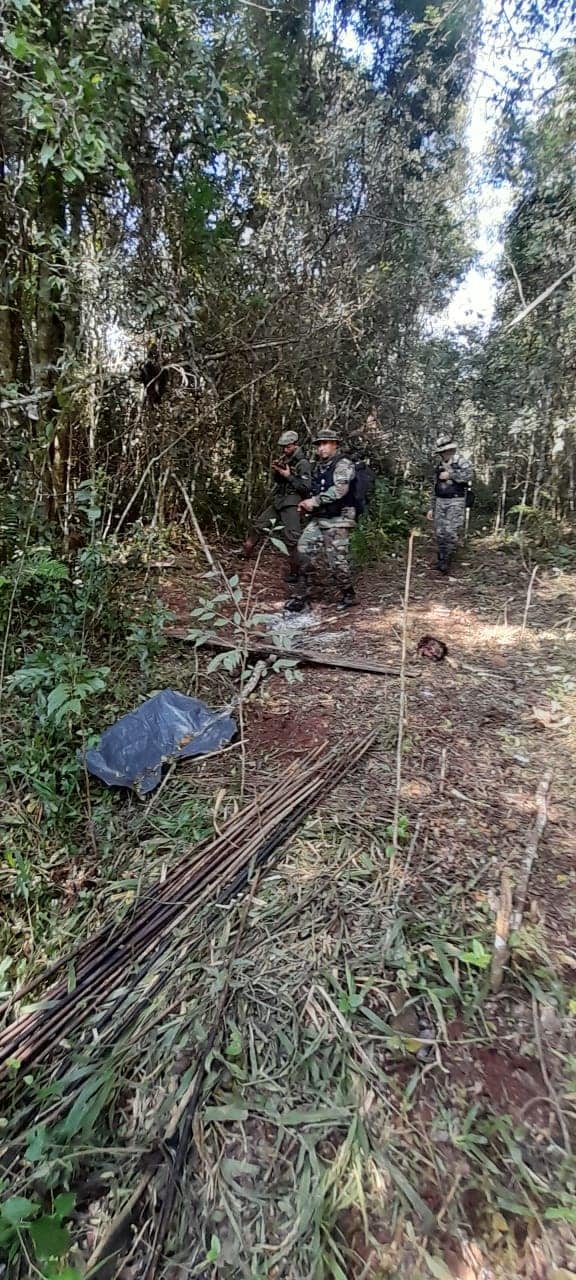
(387, 523)
(326, 1129)
(339, 1129)
(82, 636)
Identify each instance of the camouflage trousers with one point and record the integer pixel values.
(322, 545)
(449, 514)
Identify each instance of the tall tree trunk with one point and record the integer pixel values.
(50, 338)
(9, 319)
(501, 512)
(529, 464)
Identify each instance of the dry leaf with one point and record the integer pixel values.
(551, 717)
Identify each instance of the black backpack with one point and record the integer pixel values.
(362, 487)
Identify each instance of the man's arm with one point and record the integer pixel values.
(301, 477)
(343, 477)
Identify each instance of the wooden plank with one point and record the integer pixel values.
(258, 648)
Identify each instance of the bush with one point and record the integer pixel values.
(388, 522)
(79, 637)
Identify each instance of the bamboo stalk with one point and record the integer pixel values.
(113, 964)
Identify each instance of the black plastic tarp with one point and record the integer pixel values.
(168, 726)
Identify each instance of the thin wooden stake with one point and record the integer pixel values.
(531, 849)
(501, 951)
(528, 601)
(401, 713)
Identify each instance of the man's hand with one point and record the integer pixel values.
(307, 504)
(281, 469)
(430, 515)
(444, 475)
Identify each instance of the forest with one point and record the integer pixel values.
(297, 999)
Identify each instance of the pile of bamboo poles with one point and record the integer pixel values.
(96, 995)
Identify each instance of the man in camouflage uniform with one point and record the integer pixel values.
(327, 535)
(292, 478)
(448, 511)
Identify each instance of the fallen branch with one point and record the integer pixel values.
(531, 850)
(261, 649)
(552, 1095)
(511, 906)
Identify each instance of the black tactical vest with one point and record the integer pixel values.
(323, 479)
(448, 488)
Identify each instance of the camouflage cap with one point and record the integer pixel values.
(325, 434)
(288, 437)
(445, 442)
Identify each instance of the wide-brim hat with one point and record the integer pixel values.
(326, 434)
(445, 442)
(288, 437)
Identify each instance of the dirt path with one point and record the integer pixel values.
(487, 1101)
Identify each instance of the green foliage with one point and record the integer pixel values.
(535, 526)
(62, 684)
(25, 1229)
(387, 523)
(242, 622)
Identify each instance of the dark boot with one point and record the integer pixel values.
(293, 574)
(245, 551)
(297, 604)
(347, 600)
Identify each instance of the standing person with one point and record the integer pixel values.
(333, 512)
(448, 511)
(292, 480)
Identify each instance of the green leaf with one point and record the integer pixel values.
(320, 1115)
(18, 46)
(72, 174)
(18, 1209)
(37, 1144)
(64, 1204)
(57, 698)
(447, 970)
(234, 1047)
(214, 1251)
(233, 1111)
(561, 1214)
(91, 1100)
(51, 1239)
(216, 662)
(47, 151)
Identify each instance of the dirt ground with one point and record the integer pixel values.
(483, 728)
